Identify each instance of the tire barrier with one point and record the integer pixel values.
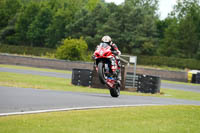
(194, 78)
(144, 83)
(197, 78)
(148, 84)
(96, 83)
(81, 77)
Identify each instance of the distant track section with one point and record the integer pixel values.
(33, 72)
(193, 88)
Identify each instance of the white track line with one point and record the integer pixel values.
(76, 108)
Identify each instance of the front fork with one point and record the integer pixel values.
(113, 66)
(105, 65)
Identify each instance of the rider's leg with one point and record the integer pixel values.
(118, 70)
(118, 60)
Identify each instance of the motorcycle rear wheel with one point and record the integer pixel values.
(115, 92)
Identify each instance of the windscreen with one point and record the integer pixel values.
(104, 45)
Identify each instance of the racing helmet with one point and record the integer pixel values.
(106, 39)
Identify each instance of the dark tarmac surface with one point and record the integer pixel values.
(184, 87)
(27, 99)
(41, 73)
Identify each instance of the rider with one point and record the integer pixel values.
(114, 48)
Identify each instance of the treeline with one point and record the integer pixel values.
(134, 25)
(38, 22)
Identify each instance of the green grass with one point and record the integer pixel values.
(27, 50)
(183, 83)
(34, 68)
(42, 82)
(161, 67)
(149, 119)
(180, 94)
(174, 62)
(53, 83)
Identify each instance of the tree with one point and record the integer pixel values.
(26, 17)
(87, 24)
(113, 25)
(168, 44)
(189, 37)
(182, 37)
(183, 6)
(37, 30)
(8, 10)
(8, 14)
(91, 4)
(140, 26)
(56, 30)
(132, 25)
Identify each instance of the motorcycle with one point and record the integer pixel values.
(107, 68)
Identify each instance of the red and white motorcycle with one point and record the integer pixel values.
(108, 68)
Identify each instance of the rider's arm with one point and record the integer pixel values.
(116, 48)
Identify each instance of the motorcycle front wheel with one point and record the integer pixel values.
(101, 72)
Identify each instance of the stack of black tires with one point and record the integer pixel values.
(82, 77)
(148, 84)
(143, 83)
(196, 78)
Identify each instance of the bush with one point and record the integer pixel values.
(72, 49)
(169, 61)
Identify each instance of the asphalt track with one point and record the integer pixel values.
(32, 72)
(27, 100)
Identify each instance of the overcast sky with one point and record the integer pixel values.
(165, 6)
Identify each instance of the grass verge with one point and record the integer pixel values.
(151, 119)
(65, 71)
(161, 67)
(183, 83)
(34, 68)
(27, 50)
(53, 83)
(69, 72)
(180, 94)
